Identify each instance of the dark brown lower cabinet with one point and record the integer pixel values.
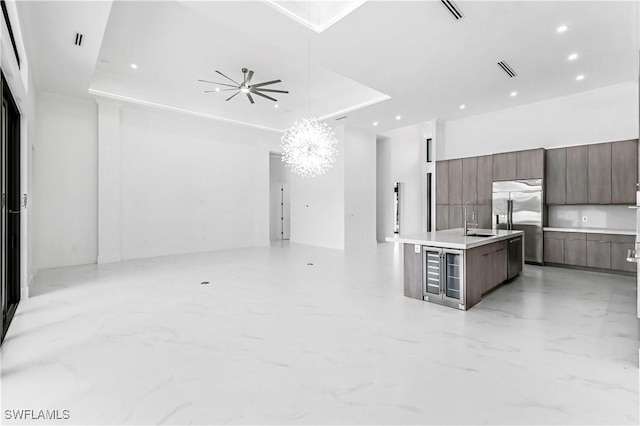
(591, 250)
(575, 252)
(553, 249)
(412, 272)
(599, 254)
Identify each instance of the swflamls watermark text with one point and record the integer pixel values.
(29, 414)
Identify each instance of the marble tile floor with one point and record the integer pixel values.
(273, 340)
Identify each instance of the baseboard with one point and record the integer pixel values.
(589, 269)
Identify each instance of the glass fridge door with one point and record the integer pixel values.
(454, 279)
(432, 271)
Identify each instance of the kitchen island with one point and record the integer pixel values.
(453, 269)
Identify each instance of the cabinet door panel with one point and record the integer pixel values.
(442, 217)
(599, 254)
(619, 257)
(575, 252)
(530, 164)
(455, 216)
(624, 172)
(556, 176)
(576, 181)
(470, 180)
(485, 179)
(455, 181)
(412, 272)
(553, 250)
(504, 166)
(599, 173)
(442, 182)
(484, 216)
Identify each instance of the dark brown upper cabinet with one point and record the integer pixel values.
(624, 172)
(556, 176)
(504, 166)
(455, 181)
(442, 182)
(599, 173)
(485, 179)
(576, 179)
(470, 180)
(530, 164)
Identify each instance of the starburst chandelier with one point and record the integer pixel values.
(309, 147)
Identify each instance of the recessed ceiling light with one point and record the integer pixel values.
(398, 117)
(134, 66)
(573, 57)
(275, 106)
(375, 123)
(514, 93)
(580, 77)
(217, 89)
(562, 28)
(463, 106)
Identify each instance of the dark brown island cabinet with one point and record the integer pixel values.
(451, 269)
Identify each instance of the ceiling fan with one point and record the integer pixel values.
(246, 87)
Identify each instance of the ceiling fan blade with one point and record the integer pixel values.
(266, 83)
(233, 95)
(214, 82)
(249, 77)
(264, 96)
(271, 90)
(250, 98)
(228, 78)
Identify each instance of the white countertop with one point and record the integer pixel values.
(594, 231)
(454, 238)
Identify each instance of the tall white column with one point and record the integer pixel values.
(109, 212)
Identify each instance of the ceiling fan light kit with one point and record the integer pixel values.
(246, 87)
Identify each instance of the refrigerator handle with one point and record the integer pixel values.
(510, 214)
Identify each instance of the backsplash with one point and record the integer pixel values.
(598, 216)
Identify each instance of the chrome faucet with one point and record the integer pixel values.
(473, 217)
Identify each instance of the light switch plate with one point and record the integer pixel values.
(416, 248)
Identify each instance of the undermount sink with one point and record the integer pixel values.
(479, 235)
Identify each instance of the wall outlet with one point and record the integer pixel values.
(584, 218)
(417, 248)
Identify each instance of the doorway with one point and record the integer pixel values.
(279, 199)
(11, 207)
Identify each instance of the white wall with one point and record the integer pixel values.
(360, 186)
(384, 192)
(191, 185)
(601, 115)
(188, 184)
(65, 181)
(408, 166)
(318, 204)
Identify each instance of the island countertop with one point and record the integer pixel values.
(454, 238)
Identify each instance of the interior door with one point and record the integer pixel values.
(285, 213)
(11, 206)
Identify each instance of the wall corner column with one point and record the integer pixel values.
(109, 188)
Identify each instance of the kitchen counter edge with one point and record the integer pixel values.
(431, 239)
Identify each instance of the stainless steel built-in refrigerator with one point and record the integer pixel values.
(518, 205)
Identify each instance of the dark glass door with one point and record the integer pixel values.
(11, 207)
(432, 268)
(454, 277)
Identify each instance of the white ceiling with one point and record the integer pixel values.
(383, 59)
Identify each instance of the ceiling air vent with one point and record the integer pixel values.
(506, 68)
(453, 9)
(341, 118)
(78, 40)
